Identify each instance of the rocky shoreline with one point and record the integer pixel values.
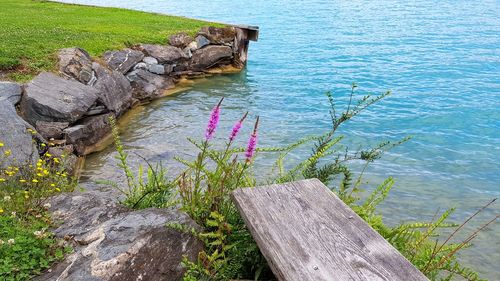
(68, 112)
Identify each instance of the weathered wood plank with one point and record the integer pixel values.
(307, 233)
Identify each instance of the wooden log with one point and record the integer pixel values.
(307, 233)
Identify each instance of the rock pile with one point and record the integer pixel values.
(72, 109)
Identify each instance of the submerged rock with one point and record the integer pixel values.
(211, 56)
(147, 85)
(88, 132)
(164, 54)
(77, 64)
(14, 134)
(180, 40)
(51, 98)
(115, 91)
(113, 243)
(123, 60)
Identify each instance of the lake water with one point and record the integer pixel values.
(441, 59)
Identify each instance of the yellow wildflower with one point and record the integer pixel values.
(22, 181)
(56, 160)
(39, 175)
(2, 179)
(52, 185)
(34, 180)
(39, 164)
(48, 154)
(1, 144)
(45, 172)
(1, 210)
(7, 152)
(43, 145)
(58, 189)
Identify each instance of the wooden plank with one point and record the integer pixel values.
(307, 233)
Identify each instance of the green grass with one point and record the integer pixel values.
(32, 31)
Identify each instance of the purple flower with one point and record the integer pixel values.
(252, 143)
(213, 122)
(237, 127)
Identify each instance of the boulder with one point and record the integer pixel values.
(51, 129)
(156, 69)
(88, 132)
(201, 41)
(51, 98)
(150, 60)
(164, 54)
(113, 243)
(219, 35)
(123, 60)
(180, 40)
(211, 56)
(77, 64)
(10, 92)
(14, 134)
(148, 86)
(115, 91)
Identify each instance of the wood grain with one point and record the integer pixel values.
(307, 233)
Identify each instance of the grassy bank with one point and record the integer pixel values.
(32, 32)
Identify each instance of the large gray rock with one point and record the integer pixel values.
(10, 92)
(164, 54)
(113, 243)
(77, 64)
(123, 60)
(211, 56)
(115, 91)
(51, 98)
(219, 35)
(180, 40)
(88, 132)
(148, 86)
(14, 134)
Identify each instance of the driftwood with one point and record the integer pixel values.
(307, 233)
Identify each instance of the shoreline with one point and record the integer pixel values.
(68, 112)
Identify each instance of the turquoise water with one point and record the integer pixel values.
(441, 59)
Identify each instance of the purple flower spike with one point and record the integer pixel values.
(213, 122)
(236, 128)
(252, 143)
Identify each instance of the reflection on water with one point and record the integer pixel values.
(440, 58)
